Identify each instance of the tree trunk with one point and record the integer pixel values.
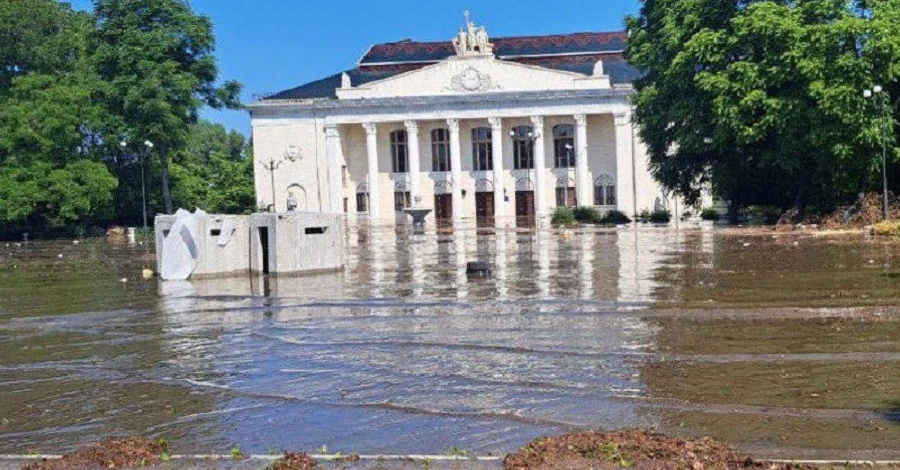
(800, 200)
(733, 210)
(164, 171)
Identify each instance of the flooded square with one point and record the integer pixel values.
(784, 344)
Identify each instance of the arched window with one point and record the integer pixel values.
(564, 145)
(523, 147)
(440, 150)
(399, 157)
(565, 192)
(401, 196)
(604, 191)
(482, 149)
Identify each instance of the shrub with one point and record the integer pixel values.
(710, 213)
(660, 216)
(890, 228)
(766, 215)
(587, 214)
(563, 216)
(614, 218)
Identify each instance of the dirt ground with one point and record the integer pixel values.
(116, 453)
(632, 449)
(640, 450)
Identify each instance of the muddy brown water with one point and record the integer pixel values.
(787, 345)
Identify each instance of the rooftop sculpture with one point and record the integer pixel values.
(472, 40)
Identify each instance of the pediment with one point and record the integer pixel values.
(468, 75)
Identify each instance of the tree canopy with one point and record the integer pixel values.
(74, 85)
(763, 98)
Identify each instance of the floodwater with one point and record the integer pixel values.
(787, 345)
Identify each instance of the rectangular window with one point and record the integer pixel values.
(401, 200)
(482, 149)
(346, 205)
(399, 157)
(315, 230)
(523, 154)
(362, 202)
(440, 150)
(344, 174)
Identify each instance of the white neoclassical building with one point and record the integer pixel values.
(474, 128)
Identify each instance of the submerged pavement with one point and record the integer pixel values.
(786, 345)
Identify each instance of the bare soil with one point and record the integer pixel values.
(112, 454)
(639, 450)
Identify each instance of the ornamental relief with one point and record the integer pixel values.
(472, 80)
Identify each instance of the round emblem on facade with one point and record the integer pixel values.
(471, 79)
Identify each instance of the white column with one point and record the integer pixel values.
(334, 157)
(497, 151)
(372, 155)
(455, 168)
(624, 165)
(540, 173)
(412, 139)
(582, 182)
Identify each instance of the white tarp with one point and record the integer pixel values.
(228, 228)
(180, 249)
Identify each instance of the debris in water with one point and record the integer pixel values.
(478, 268)
(147, 273)
(294, 462)
(630, 449)
(115, 453)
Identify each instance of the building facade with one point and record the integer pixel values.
(473, 128)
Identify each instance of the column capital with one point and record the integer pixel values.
(453, 124)
(537, 121)
(412, 127)
(622, 118)
(331, 131)
(580, 119)
(370, 128)
(495, 122)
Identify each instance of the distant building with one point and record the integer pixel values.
(473, 127)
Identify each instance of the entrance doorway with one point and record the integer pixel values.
(484, 208)
(264, 249)
(443, 206)
(525, 208)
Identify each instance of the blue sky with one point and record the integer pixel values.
(271, 45)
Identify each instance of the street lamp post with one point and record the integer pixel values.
(147, 148)
(272, 166)
(878, 91)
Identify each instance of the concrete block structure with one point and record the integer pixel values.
(296, 243)
(277, 244)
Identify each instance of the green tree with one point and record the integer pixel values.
(214, 171)
(156, 58)
(53, 178)
(763, 98)
(37, 36)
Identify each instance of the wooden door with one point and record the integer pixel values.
(524, 203)
(443, 206)
(484, 205)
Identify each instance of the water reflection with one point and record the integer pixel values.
(404, 352)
